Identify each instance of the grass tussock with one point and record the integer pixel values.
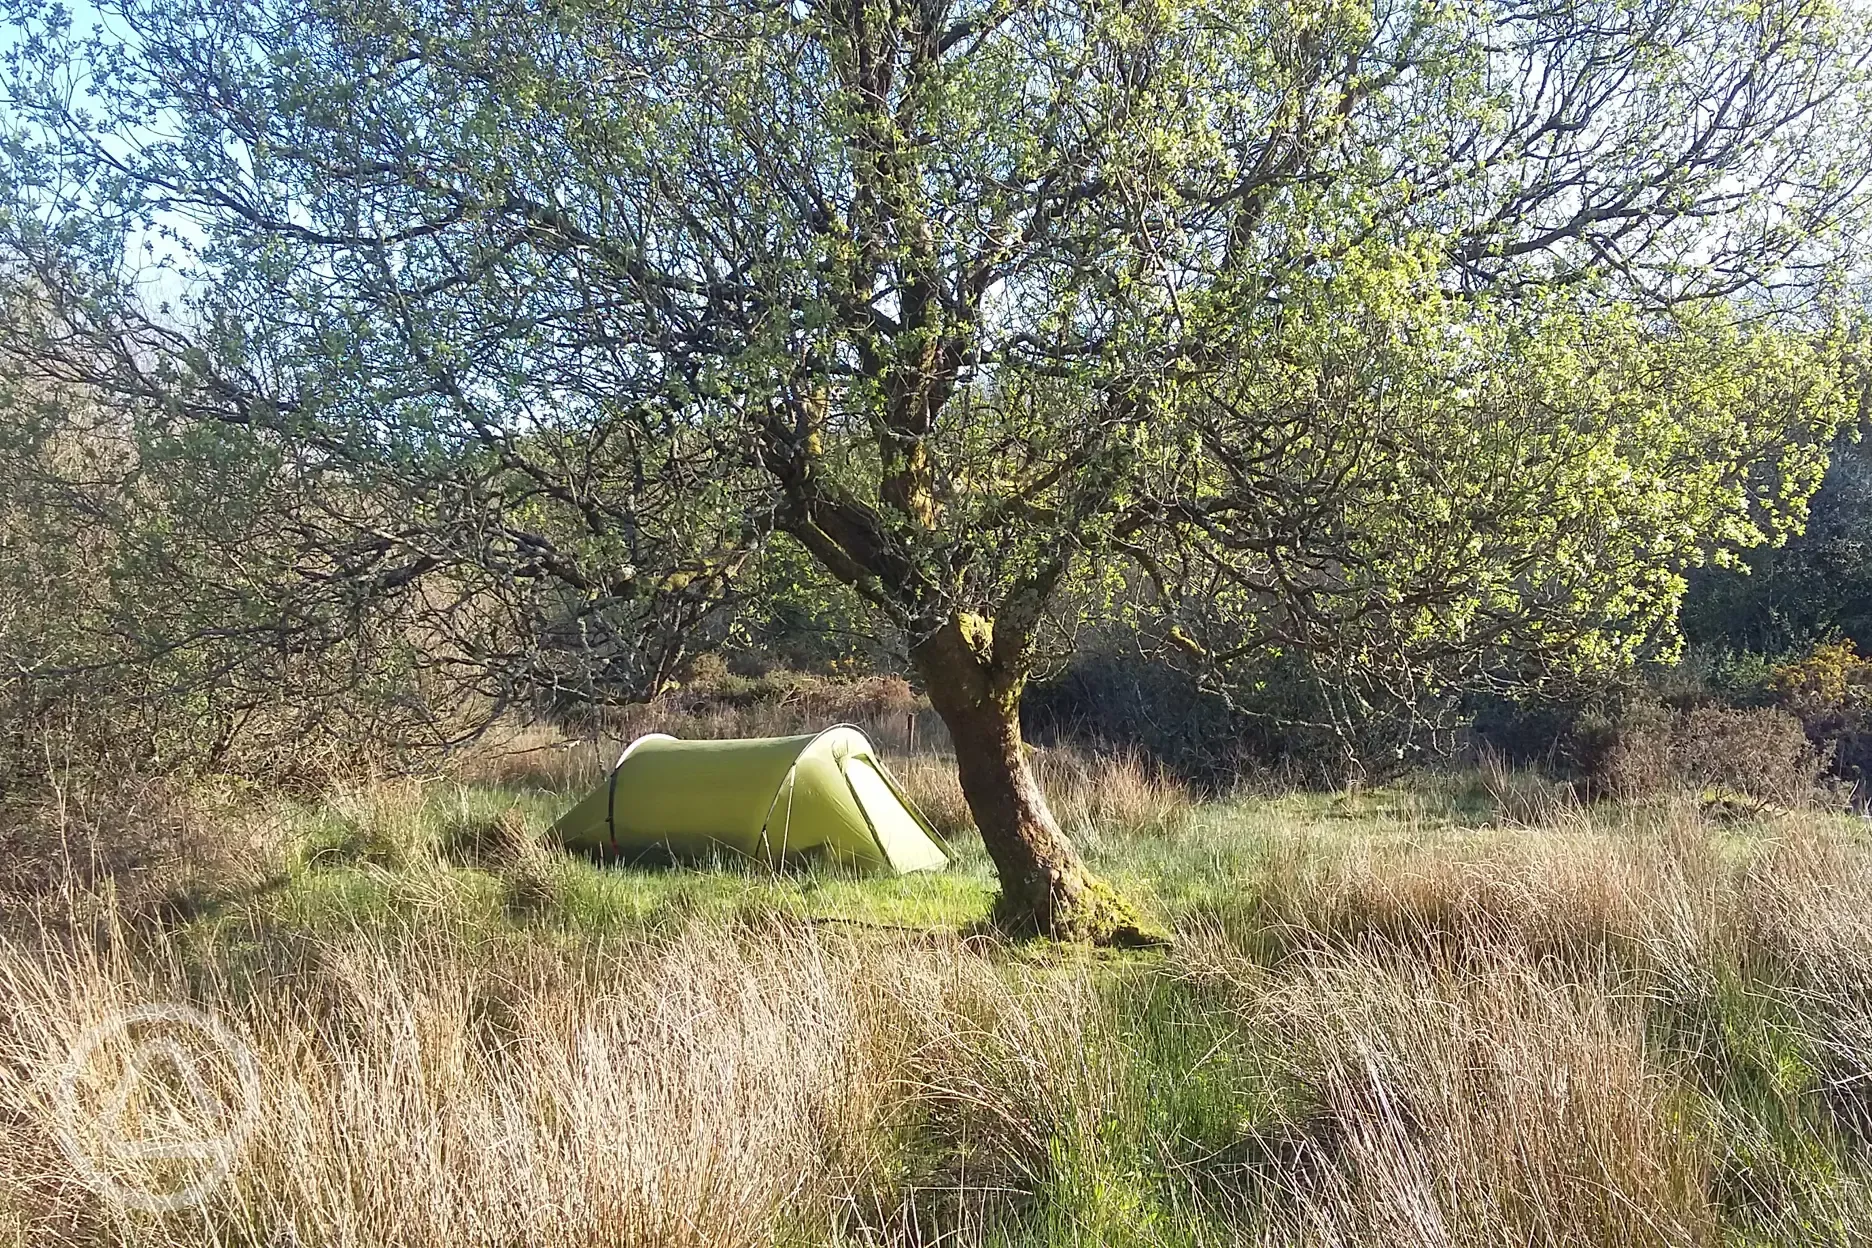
(1506, 1107)
(1395, 1017)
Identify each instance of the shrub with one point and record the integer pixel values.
(151, 845)
(1833, 679)
(1830, 691)
(1648, 750)
(1524, 734)
(1760, 753)
(1626, 756)
(1112, 700)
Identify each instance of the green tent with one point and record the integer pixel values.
(768, 798)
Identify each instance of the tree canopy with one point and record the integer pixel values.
(1434, 341)
(1815, 589)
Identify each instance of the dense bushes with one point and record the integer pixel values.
(156, 618)
(1278, 718)
(1758, 753)
(1108, 697)
(1731, 723)
(1831, 692)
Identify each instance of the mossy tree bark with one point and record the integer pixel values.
(1046, 887)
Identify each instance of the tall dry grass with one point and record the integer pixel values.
(1511, 1106)
(1630, 1029)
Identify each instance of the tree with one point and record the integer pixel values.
(1817, 588)
(972, 298)
(1514, 510)
(163, 608)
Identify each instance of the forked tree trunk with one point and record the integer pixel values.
(1046, 888)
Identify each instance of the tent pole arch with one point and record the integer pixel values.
(611, 782)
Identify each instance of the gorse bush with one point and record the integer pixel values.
(1831, 691)
(1830, 679)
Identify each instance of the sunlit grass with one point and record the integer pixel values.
(1405, 1015)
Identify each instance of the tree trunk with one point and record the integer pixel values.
(1046, 888)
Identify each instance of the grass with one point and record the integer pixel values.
(1461, 1012)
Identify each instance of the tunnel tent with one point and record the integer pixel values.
(771, 799)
